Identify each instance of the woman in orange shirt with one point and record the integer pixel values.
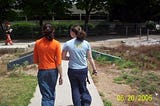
(47, 55)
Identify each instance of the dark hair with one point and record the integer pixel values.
(7, 23)
(80, 34)
(48, 31)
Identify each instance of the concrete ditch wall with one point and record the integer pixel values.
(29, 59)
(103, 56)
(20, 61)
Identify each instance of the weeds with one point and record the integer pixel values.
(135, 71)
(138, 60)
(146, 83)
(102, 59)
(107, 103)
(136, 65)
(20, 67)
(143, 57)
(101, 94)
(125, 64)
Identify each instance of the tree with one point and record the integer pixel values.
(7, 11)
(132, 10)
(89, 6)
(44, 8)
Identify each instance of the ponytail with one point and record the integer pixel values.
(80, 34)
(48, 31)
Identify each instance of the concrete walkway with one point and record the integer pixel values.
(63, 92)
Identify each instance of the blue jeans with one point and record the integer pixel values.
(80, 93)
(47, 80)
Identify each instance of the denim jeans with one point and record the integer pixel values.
(47, 80)
(80, 93)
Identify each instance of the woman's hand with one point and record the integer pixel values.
(60, 80)
(94, 72)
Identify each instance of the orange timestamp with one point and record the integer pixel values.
(134, 98)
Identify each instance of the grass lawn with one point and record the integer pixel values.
(17, 89)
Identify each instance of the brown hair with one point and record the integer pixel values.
(48, 31)
(80, 34)
(7, 23)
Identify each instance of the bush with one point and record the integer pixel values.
(23, 30)
(32, 30)
(62, 27)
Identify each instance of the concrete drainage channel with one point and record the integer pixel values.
(104, 57)
(20, 61)
(19, 48)
(29, 59)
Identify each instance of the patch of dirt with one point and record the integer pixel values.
(112, 91)
(31, 69)
(105, 79)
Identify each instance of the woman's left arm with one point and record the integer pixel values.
(91, 61)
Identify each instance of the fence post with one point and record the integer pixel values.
(147, 34)
(126, 31)
(140, 32)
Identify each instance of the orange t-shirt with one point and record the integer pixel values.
(47, 54)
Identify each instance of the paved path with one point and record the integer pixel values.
(63, 92)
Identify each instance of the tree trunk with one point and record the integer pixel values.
(41, 25)
(86, 21)
(41, 21)
(3, 34)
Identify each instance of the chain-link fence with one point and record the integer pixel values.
(32, 31)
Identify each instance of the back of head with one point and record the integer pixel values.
(80, 34)
(7, 24)
(48, 31)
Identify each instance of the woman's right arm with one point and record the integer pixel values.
(35, 55)
(64, 52)
(64, 55)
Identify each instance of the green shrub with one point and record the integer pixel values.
(24, 30)
(32, 30)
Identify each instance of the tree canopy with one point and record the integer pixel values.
(123, 10)
(7, 11)
(133, 10)
(89, 6)
(43, 8)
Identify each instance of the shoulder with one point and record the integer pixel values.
(39, 40)
(56, 41)
(86, 42)
(70, 41)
